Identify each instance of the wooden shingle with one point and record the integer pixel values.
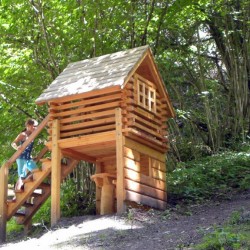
(92, 74)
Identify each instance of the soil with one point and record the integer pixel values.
(178, 227)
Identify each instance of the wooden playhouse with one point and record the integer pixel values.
(111, 111)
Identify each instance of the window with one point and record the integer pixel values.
(146, 95)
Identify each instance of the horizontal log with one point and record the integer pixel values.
(87, 116)
(145, 140)
(78, 156)
(143, 179)
(89, 94)
(88, 102)
(131, 153)
(145, 190)
(81, 125)
(78, 111)
(87, 131)
(136, 109)
(145, 200)
(145, 129)
(144, 149)
(132, 164)
(87, 140)
(154, 124)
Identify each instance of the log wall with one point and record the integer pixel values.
(145, 175)
(144, 109)
(87, 114)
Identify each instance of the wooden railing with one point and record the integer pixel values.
(4, 176)
(27, 142)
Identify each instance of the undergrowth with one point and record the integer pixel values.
(234, 235)
(213, 177)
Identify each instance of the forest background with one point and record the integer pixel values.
(201, 47)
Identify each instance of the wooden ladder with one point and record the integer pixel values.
(36, 191)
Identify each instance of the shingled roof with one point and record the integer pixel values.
(92, 74)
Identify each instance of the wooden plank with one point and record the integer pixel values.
(159, 146)
(147, 180)
(55, 174)
(145, 190)
(88, 131)
(132, 164)
(131, 154)
(84, 95)
(144, 149)
(3, 197)
(120, 163)
(87, 116)
(78, 156)
(153, 123)
(146, 130)
(86, 109)
(146, 200)
(87, 102)
(87, 140)
(83, 124)
(136, 109)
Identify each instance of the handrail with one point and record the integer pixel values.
(27, 142)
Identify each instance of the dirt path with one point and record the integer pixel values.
(139, 229)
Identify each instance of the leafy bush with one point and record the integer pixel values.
(74, 202)
(210, 177)
(232, 236)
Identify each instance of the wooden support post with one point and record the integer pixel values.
(120, 191)
(55, 174)
(98, 189)
(3, 198)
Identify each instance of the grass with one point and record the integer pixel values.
(234, 235)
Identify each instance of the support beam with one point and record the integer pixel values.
(55, 174)
(98, 170)
(120, 190)
(3, 198)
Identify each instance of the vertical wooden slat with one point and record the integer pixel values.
(55, 173)
(120, 190)
(3, 197)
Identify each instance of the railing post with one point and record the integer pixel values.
(3, 198)
(55, 173)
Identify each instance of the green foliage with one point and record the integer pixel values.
(210, 177)
(42, 216)
(74, 202)
(13, 229)
(233, 235)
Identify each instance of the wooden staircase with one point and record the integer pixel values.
(36, 191)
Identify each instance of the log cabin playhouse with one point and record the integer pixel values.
(110, 111)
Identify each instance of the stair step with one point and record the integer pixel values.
(29, 178)
(44, 185)
(27, 204)
(20, 214)
(45, 159)
(34, 194)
